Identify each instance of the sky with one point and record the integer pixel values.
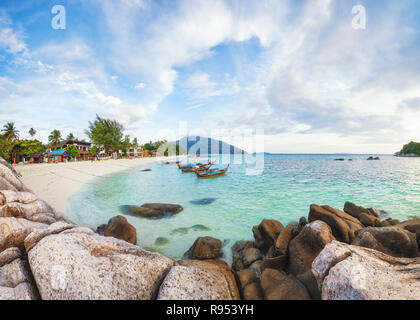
(277, 76)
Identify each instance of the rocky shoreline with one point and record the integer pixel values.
(331, 254)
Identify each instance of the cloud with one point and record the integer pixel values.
(139, 85)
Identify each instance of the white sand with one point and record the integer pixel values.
(55, 183)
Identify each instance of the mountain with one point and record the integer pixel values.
(411, 149)
(202, 145)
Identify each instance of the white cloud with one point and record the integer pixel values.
(139, 85)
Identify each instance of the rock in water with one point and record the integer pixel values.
(249, 285)
(343, 225)
(77, 264)
(161, 241)
(365, 216)
(277, 285)
(394, 241)
(269, 230)
(152, 210)
(203, 201)
(347, 272)
(118, 227)
(205, 248)
(199, 280)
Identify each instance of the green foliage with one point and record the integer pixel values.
(169, 149)
(412, 147)
(32, 146)
(94, 150)
(9, 131)
(125, 145)
(73, 151)
(5, 148)
(149, 146)
(54, 137)
(71, 136)
(106, 132)
(135, 143)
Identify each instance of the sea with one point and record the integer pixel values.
(256, 187)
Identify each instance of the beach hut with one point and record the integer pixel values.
(58, 156)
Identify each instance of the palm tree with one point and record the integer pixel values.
(32, 132)
(70, 136)
(54, 138)
(9, 131)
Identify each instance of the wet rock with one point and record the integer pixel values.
(78, 264)
(373, 158)
(205, 248)
(277, 262)
(250, 255)
(182, 230)
(339, 159)
(257, 267)
(302, 222)
(253, 291)
(412, 225)
(343, 225)
(277, 285)
(146, 170)
(259, 240)
(165, 207)
(118, 227)
(347, 272)
(200, 227)
(100, 229)
(152, 210)
(282, 242)
(203, 201)
(394, 241)
(237, 254)
(161, 241)
(199, 280)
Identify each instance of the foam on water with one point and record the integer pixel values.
(284, 191)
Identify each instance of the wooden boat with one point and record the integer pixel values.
(212, 173)
(189, 166)
(197, 169)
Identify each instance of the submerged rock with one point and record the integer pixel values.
(118, 227)
(203, 201)
(199, 280)
(152, 210)
(185, 230)
(182, 230)
(347, 272)
(161, 241)
(205, 248)
(200, 227)
(146, 170)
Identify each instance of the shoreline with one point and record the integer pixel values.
(57, 182)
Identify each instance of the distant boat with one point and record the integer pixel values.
(197, 168)
(189, 166)
(212, 173)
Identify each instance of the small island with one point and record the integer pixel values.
(411, 149)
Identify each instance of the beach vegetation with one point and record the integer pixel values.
(32, 146)
(105, 132)
(73, 151)
(54, 138)
(71, 136)
(9, 131)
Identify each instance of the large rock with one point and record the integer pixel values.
(26, 205)
(237, 254)
(75, 263)
(249, 285)
(304, 249)
(250, 255)
(13, 231)
(347, 272)
(205, 248)
(152, 210)
(307, 245)
(277, 285)
(412, 225)
(394, 241)
(343, 225)
(118, 227)
(199, 280)
(367, 217)
(270, 230)
(282, 242)
(15, 279)
(9, 179)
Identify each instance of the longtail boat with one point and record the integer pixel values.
(188, 166)
(197, 168)
(212, 173)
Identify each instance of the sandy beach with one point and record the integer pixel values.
(55, 183)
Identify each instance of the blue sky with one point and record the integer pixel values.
(296, 69)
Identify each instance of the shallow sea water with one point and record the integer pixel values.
(283, 191)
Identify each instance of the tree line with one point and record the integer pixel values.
(104, 134)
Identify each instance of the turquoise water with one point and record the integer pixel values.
(284, 191)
